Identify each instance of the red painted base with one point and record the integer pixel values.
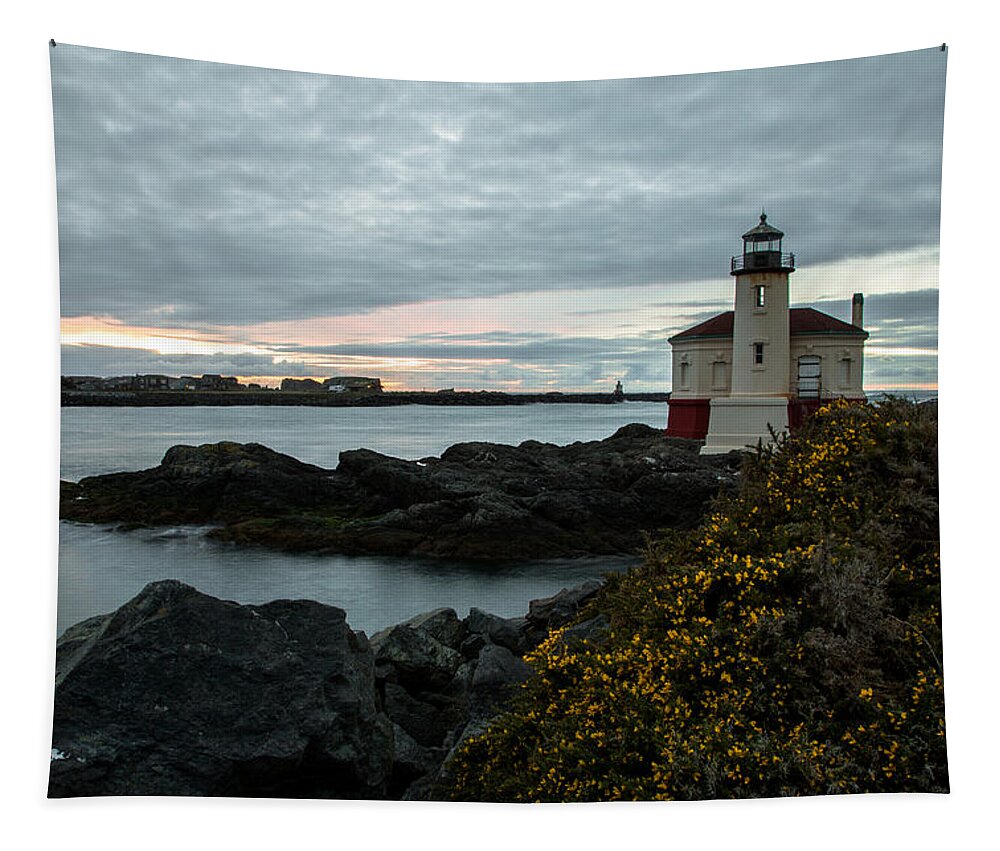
(799, 409)
(688, 418)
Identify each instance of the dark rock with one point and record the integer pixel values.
(220, 482)
(428, 716)
(554, 611)
(477, 501)
(506, 632)
(411, 761)
(413, 658)
(637, 430)
(178, 693)
(388, 483)
(471, 646)
(590, 630)
(461, 684)
(442, 625)
(497, 672)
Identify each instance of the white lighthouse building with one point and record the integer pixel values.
(762, 366)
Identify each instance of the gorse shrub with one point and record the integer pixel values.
(791, 645)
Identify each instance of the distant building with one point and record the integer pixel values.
(217, 382)
(151, 382)
(82, 382)
(119, 382)
(185, 382)
(762, 366)
(619, 393)
(353, 384)
(301, 385)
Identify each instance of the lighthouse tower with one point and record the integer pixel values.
(761, 358)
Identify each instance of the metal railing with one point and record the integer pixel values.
(762, 260)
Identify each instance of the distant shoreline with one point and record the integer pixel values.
(174, 398)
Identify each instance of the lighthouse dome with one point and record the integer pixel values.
(762, 232)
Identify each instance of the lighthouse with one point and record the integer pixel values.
(758, 398)
(758, 369)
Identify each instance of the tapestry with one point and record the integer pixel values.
(498, 442)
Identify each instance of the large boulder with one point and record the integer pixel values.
(178, 693)
(497, 673)
(505, 632)
(216, 482)
(552, 612)
(442, 625)
(413, 658)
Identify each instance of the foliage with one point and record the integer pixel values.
(791, 645)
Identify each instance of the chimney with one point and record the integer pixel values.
(858, 310)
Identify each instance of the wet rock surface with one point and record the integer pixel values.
(179, 693)
(478, 501)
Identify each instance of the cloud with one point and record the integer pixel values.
(193, 192)
(90, 359)
(901, 351)
(901, 320)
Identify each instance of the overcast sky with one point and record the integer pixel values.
(219, 218)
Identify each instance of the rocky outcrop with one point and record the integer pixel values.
(214, 483)
(179, 693)
(477, 501)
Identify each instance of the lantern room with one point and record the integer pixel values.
(762, 251)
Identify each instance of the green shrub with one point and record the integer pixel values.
(791, 645)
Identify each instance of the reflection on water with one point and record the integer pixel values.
(99, 569)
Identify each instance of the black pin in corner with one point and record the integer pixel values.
(943, 46)
(52, 42)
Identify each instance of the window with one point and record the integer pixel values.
(719, 376)
(685, 378)
(809, 377)
(845, 372)
(758, 296)
(758, 353)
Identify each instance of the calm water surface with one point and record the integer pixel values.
(101, 568)
(108, 440)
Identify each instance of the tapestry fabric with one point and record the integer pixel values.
(515, 442)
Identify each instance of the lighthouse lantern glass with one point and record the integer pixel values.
(763, 245)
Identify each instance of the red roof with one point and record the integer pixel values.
(808, 320)
(801, 320)
(717, 326)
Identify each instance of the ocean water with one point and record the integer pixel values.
(100, 568)
(108, 440)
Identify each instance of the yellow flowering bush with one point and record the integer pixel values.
(790, 645)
